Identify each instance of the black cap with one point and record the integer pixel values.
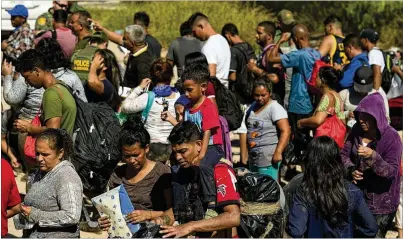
(363, 79)
(370, 34)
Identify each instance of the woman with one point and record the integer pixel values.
(165, 97)
(330, 104)
(147, 182)
(325, 204)
(104, 79)
(52, 206)
(372, 156)
(263, 118)
(60, 66)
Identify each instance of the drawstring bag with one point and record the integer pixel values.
(333, 127)
(29, 146)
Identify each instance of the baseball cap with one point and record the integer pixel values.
(18, 10)
(100, 35)
(286, 17)
(370, 34)
(363, 79)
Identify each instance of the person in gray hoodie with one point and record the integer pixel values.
(52, 206)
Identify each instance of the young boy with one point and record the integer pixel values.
(186, 145)
(203, 112)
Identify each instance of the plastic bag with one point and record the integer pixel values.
(255, 187)
(262, 226)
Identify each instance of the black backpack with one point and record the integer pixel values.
(228, 105)
(96, 144)
(243, 84)
(387, 74)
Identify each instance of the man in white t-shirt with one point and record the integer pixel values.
(216, 48)
(368, 38)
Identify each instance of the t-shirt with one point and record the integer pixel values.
(138, 67)
(148, 193)
(217, 52)
(375, 57)
(154, 46)
(206, 118)
(225, 181)
(58, 102)
(302, 63)
(179, 48)
(262, 133)
(92, 96)
(65, 37)
(9, 194)
(335, 110)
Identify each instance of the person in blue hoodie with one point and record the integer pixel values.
(358, 58)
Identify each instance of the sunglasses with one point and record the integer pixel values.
(61, 5)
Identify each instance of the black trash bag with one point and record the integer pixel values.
(262, 226)
(255, 187)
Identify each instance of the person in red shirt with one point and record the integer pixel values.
(10, 197)
(186, 144)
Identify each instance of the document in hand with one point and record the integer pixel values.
(116, 205)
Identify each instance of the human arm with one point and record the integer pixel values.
(398, 71)
(260, 72)
(94, 83)
(136, 101)
(364, 220)
(326, 45)
(5, 148)
(320, 115)
(213, 69)
(226, 220)
(69, 191)
(232, 76)
(203, 150)
(377, 76)
(16, 209)
(113, 36)
(285, 132)
(274, 56)
(14, 91)
(298, 217)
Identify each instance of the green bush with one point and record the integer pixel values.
(166, 17)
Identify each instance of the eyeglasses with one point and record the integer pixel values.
(61, 5)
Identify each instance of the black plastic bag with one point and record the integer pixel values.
(255, 187)
(262, 226)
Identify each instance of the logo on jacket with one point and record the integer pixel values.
(221, 189)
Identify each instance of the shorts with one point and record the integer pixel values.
(271, 171)
(243, 129)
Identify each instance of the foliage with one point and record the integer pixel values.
(166, 17)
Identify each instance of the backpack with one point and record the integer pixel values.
(243, 84)
(387, 74)
(228, 105)
(144, 114)
(96, 145)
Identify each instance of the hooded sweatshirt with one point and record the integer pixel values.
(380, 182)
(56, 201)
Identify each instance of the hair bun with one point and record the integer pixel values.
(134, 123)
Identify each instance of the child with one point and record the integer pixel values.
(202, 111)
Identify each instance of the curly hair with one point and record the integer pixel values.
(54, 55)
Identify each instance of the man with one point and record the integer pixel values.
(357, 58)
(186, 144)
(10, 197)
(368, 39)
(44, 22)
(58, 105)
(182, 46)
(22, 37)
(63, 35)
(80, 24)
(332, 48)
(81, 60)
(265, 33)
(216, 48)
(302, 62)
(398, 59)
(140, 58)
(142, 19)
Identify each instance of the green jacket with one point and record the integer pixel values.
(81, 61)
(44, 22)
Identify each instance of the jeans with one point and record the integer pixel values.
(213, 155)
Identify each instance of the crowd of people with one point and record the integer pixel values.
(335, 110)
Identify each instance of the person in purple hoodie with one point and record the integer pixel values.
(372, 155)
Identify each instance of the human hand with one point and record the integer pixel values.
(104, 223)
(166, 116)
(138, 216)
(23, 126)
(97, 26)
(252, 65)
(4, 44)
(145, 82)
(26, 210)
(357, 176)
(395, 69)
(285, 36)
(277, 157)
(14, 163)
(97, 62)
(364, 152)
(7, 68)
(299, 126)
(177, 231)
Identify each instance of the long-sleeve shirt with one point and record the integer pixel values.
(56, 200)
(21, 39)
(18, 93)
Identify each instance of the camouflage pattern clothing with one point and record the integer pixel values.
(21, 39)
(44, 22)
